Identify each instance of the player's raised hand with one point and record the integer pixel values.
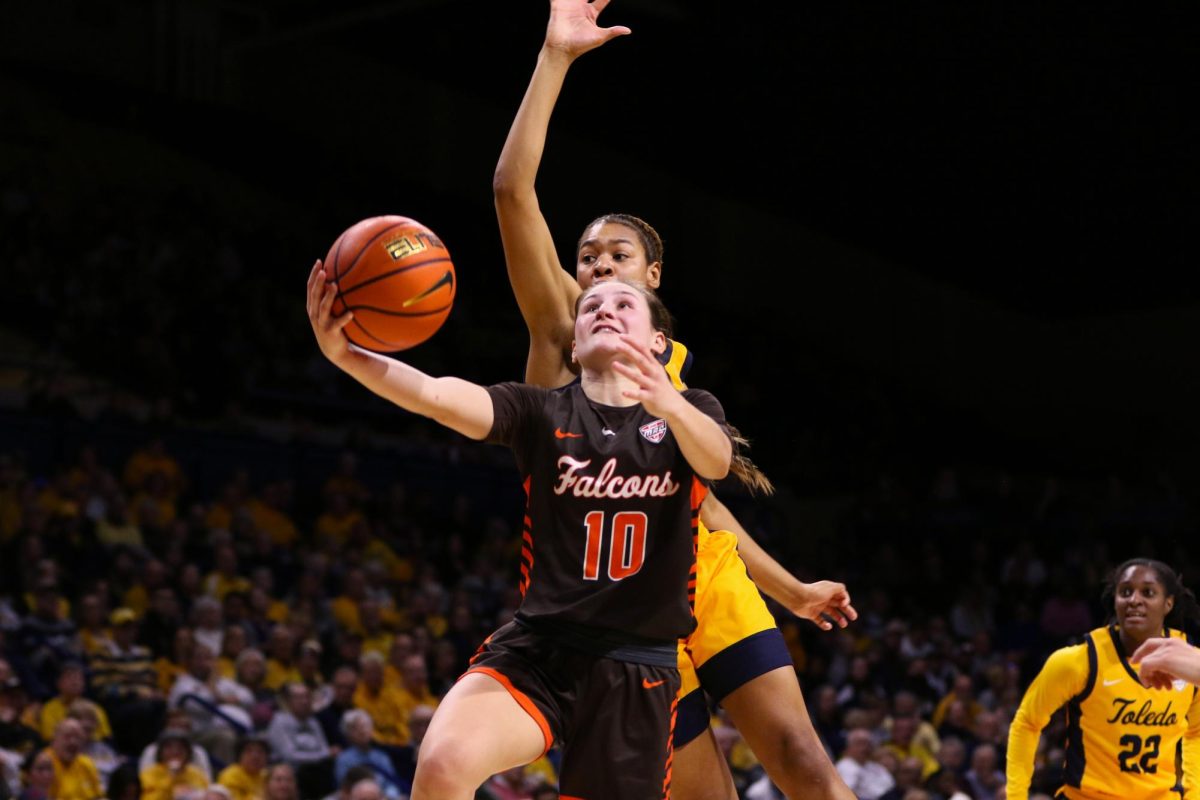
(653, 388)
(327, 328)
(827, 603)
(573, 29)
(1162, 660)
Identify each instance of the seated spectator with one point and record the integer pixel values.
(46, 639)
(179, 723)
(985, 777)
(341, 700)
(353, 775)
(208, 626)
(39, 777)
(908, 778)
(359, 731)
(963, 691)
(70, 683)
(214, 704)
(281, 663)
(308, 665)
(414, 685)
(281, 783)
(173, 776)
(252, 693)
(246, 779)
(170, 666)
(904, 747)
(126, 683)
(97, 748)
(296, 737)
(383, 703)
(234, 642)
(865, 776)
(18, 731)
(368, 789)
(94, 634)
(75, 776)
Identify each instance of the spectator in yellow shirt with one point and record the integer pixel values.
(173, 776)
(382, 703)
(75, 776)
(281, 659)
(246, 778)
(70, 688)
(414, 684)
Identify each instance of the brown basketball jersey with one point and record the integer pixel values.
(609, 538)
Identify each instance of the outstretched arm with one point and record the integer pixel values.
(545, 292)
(460, 405)
(824, 602)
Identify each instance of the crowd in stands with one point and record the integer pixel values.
(159, 643)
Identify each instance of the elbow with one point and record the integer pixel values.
(504, 186)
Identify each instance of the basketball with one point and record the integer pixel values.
(396, 276)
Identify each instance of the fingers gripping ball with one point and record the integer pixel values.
(396, 276)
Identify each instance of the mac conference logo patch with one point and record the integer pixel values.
(654, 431)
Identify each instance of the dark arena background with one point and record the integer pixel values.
(937, 260)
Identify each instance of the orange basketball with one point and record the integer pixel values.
(396, 276)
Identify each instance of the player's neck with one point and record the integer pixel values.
(607, 388)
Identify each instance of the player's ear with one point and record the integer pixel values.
(654, 275)
(1169, 604)
(574, 360)
(658, 345)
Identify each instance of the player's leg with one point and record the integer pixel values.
(740, 654)
(701, 772)
(480, 728)
(770, 714)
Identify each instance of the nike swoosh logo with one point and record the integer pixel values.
(1113, 682)
(646, 684)
(559, 433)
(445, 280)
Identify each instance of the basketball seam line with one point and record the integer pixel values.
(369, 281)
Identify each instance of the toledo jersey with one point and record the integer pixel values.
(1124, 740)
(609, 541)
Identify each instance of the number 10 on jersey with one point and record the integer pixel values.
(627, 550)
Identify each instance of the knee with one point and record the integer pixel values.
(443, 771)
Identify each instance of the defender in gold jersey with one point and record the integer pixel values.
(1124, 739)
(737, 655)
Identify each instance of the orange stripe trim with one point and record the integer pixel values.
(523, 701)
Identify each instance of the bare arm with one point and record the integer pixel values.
(545, 292)
(459, 405)
(823, 602)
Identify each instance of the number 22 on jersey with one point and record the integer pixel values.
(627, 546)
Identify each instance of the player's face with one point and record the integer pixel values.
(606, 312)
(1141, 604)
(612, 251)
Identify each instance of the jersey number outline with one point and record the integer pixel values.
(627, 550)
(1146, 762)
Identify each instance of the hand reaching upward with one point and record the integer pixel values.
(573, 30)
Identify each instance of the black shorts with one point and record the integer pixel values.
(613, 719)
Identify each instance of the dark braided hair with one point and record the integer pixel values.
(651, 241)
(741, 466)
(1184, 615)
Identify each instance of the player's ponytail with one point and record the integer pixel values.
(743, 468)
